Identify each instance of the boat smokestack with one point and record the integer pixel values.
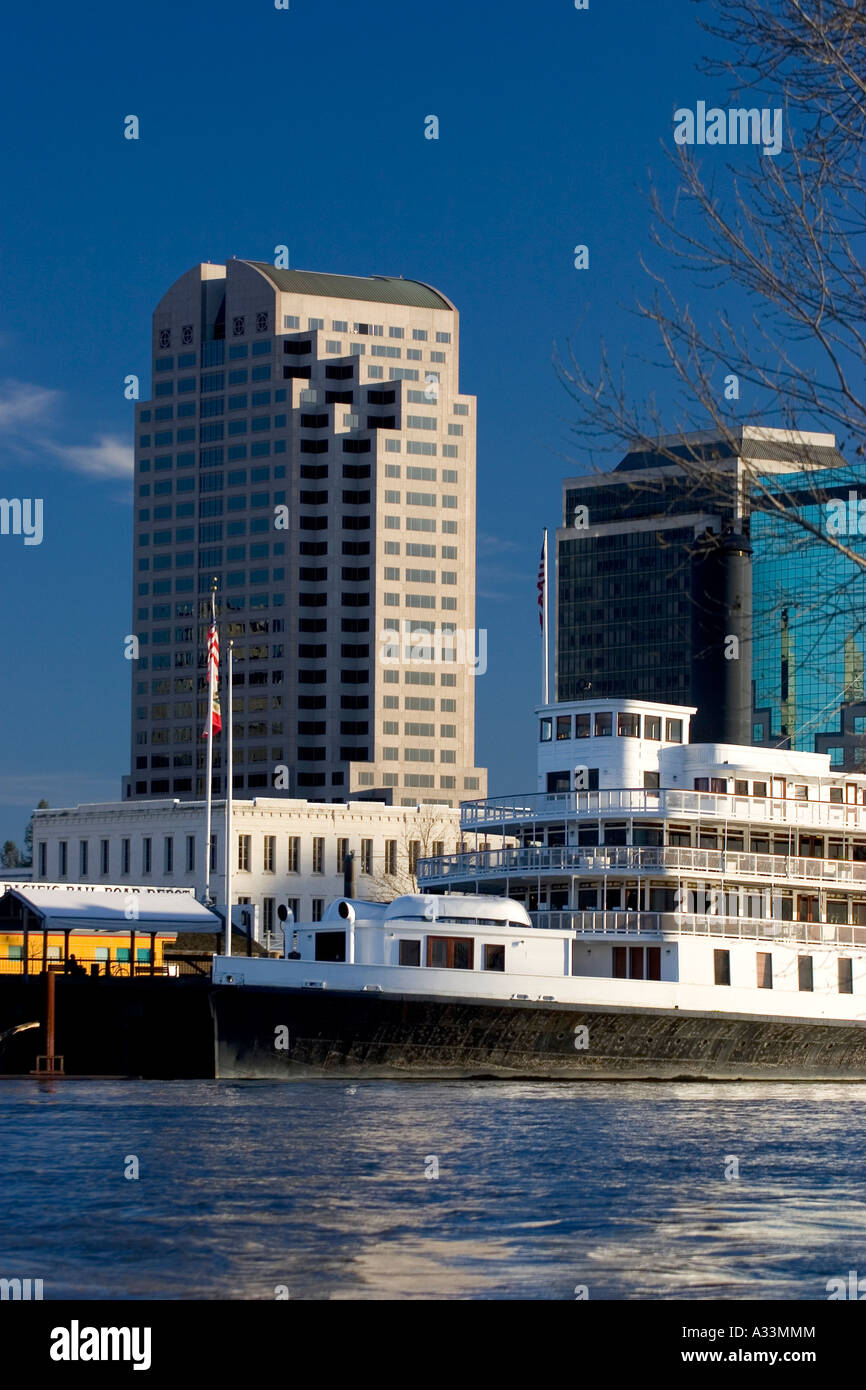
(349, 875)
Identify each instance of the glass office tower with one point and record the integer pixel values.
(659, 565)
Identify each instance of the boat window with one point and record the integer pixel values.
(494, 957)
(846, 978)
(615, 833)
(719, 785)
(410, 952)
(836, 794)
(330, 945)
(702, 784)
(587, 834)
(674, 730)
(722, 967)
(652, 726)
(759, 789)
(546, 730)
(804, 973)
(765, 969)
(648, 835)
(450, 952)
(582, 726)
(603, 725)
(559, 781)
(563, 726)
(812, 846)
(628, 725)
(741, 788)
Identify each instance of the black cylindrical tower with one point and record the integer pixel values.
(722, 638)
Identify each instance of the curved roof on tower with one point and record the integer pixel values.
(378, 289)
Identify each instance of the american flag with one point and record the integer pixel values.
(542, 579)
(213, 669)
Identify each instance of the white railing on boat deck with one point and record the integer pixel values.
(662, 924)
(505, 810)
(577, 859)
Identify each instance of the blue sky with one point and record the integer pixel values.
(305, 127)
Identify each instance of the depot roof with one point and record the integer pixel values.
(77, 907)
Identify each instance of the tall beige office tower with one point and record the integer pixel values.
(308, 446)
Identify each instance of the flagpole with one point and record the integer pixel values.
(209, 734)
(229, 806)
(546, 625)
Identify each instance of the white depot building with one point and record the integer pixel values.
(283, 851)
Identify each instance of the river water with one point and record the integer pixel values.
(380, 1190)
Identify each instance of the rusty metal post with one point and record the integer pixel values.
(50, 991)
(49, 1063)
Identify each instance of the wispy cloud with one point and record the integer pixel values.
(22, 403)
(489, 544)
(28, 420)
(109, 457)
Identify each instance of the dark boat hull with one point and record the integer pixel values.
(286, 1034)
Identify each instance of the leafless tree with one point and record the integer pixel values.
(786, 234)
(782, 238)
(419, 838)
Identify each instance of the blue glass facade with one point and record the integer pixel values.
(809, 634)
